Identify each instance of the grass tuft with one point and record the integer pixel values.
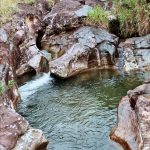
(134, 17)
(97, 16)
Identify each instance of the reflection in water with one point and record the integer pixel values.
(77, 113)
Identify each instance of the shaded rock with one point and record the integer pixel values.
(76, 59)
(31, 59)
(57, 45)
(107, 52)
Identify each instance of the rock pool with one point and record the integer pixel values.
(77, 113)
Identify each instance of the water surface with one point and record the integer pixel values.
(77, 113)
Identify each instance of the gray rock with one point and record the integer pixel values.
(90, 36)
(83, 12)
(142, 57)
(142, 42)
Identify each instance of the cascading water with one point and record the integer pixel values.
(77, 113)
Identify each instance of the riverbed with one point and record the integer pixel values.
(76, 113)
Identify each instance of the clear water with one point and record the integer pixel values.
(77, 113)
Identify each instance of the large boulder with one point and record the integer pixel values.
(78, 58)
(132, 130)
(94, 48)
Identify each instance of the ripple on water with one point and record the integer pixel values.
(76, 114)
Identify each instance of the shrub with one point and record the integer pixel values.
(134, 17)
(97, 16)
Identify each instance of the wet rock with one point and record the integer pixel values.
(78, 58)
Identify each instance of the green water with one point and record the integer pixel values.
(78, 113)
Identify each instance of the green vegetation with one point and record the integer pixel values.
(134, 17)
(97, 16)
(10, 84)
(1, 88)
(5, 88)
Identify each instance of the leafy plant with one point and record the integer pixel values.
(97, 16)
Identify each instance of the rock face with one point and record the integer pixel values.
(132, 130)
(136, 53)
(14, 129)
(96, 48)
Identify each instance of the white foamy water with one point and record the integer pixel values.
(32, 86)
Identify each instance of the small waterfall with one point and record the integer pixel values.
(32, 86)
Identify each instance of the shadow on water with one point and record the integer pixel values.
(77, 113)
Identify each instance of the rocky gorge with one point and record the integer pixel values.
(55, 39)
